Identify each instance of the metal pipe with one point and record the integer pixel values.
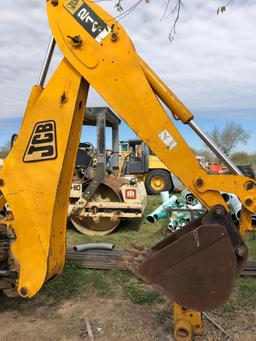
(154, 216)
(47, 62)
(165, 196)
(214, 148)
(93, 246)
(188, 197)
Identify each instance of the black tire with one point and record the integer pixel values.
(247, 170)
(166, 178)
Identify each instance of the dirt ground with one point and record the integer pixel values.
(110, 320)
(118, 306)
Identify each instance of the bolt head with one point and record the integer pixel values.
(199, 182)
(24, 292)
(248, 202)
(114, 36)
(55, 2)
(219, 211)
(76, 41)
(63, 98)
(249, 185)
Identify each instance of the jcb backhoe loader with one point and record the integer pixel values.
(197, 265)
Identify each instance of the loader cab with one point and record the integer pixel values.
(142, 162)
(138, 161)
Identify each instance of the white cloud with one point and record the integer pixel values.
(211, 64)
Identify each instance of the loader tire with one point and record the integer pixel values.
(157, 181)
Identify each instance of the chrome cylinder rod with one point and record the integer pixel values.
(47, 62)
(214, 148)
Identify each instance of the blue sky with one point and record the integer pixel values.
(211, 64)
(11, 126)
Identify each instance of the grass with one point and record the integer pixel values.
(74, 282)
(127, 232)
(108, 284)
(111, 284)
(243, 297)
(244, 293)
(122, 284)
(139, 296)
(251, 244)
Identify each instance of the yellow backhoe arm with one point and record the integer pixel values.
(110, 63)
(36, 177)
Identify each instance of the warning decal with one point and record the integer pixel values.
(167, 139)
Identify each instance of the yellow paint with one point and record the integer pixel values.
(116, 76)
(187, 323)
(157, 183)
(37, 192)
(155, 163)
(178, 109)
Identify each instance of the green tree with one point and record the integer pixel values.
(209, 156)
(230, 137)
(241, 157)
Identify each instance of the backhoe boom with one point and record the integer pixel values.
(36, 176)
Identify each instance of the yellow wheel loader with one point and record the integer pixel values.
(197, 265)
(142, 163)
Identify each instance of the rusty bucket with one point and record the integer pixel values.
(197, 265)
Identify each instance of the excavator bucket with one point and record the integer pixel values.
(197, 265)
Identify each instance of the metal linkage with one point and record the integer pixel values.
(214, 148)
(47, 62)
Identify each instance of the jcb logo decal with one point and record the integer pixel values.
(42, 144)
(87, 18)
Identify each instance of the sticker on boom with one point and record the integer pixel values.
(42, 144)
(167, 139)
(86, 17)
